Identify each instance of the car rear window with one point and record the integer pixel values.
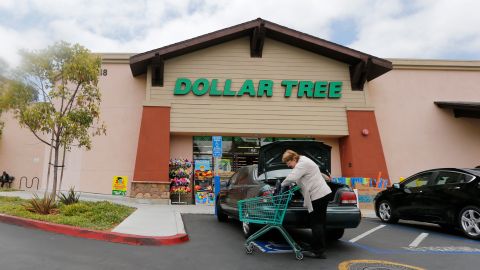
(275, 174)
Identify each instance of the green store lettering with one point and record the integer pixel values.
(308, 89)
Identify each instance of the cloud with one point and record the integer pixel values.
(395, 28)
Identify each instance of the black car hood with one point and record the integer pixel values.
(270, 155)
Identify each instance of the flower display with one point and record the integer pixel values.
(180, 190)
(180, 172)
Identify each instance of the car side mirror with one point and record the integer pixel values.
(396, 185)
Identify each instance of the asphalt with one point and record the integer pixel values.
(154, 222)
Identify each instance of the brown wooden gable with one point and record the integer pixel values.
(363, 67)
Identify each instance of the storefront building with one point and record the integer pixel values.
(256, 83)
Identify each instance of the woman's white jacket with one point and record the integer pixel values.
(308, 177)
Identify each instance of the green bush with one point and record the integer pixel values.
(90, 215)
(70, 210)
(45, 206)
(71, 197)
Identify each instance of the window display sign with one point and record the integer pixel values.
(204, 198)
(119, 185)
(224, 165)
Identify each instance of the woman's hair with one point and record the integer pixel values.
(290, 155)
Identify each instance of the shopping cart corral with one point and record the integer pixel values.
(270, 211)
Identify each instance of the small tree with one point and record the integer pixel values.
(55, 95)
(3, 85)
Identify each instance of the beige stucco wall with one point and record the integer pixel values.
(111, 155)
(181, 146)
(256, 116)
(415, 133)
(336, 165)
(21, 154)
(121, 110)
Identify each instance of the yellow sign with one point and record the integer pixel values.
(119, 185)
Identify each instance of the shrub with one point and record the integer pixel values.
(71, 197)
(44, 206)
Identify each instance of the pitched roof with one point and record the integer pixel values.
(363, 67)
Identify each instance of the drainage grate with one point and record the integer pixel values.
(375, 265)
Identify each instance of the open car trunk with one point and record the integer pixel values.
(270, 155)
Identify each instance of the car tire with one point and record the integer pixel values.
(385, 212)
(248, 229)
(469, 222)
(221, 216)
(335, 234)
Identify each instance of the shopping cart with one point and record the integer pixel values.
(269, 210)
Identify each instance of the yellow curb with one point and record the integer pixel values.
(346, 264)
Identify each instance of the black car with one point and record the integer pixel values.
(264, 179)
(449, 197)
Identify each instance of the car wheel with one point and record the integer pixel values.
(248, 229)
(385, 212)
(469, 219)
(335, 234)
(221, 216)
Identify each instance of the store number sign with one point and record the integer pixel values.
(263, 88)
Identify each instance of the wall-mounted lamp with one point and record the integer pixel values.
(365, 132)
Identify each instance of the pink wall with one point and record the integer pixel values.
(415, 133)
(335, 155)
(114, 154)
(181, 146)
(21, 154)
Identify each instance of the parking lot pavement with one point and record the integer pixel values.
(407, 243)
(409, 237)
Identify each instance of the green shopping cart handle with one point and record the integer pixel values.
(293, 189)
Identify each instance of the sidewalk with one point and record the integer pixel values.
(153, 219)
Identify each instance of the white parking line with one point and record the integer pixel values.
(366, 233)
(418, 240)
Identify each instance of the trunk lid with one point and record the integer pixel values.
(270, 155)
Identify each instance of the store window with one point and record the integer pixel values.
(236, 151)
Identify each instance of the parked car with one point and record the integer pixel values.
(264, 179)
(449, 197)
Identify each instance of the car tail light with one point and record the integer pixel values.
(348, 197)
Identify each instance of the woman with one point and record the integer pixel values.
(306, 174)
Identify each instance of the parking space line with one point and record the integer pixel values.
(366, 233)
(418, 240)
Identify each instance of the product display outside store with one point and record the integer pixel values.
(203, 182)
(180, 171)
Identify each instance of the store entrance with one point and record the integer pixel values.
(240, 160)
(236, 153)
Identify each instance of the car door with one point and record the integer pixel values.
(235, 190)
(445, 195)
(412, 200)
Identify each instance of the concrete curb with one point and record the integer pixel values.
(129, 239)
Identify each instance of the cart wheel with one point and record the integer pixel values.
(249, 248)
(299, 256)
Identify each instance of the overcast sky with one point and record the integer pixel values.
(430, 29)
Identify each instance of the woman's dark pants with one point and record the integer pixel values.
(317, 224)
